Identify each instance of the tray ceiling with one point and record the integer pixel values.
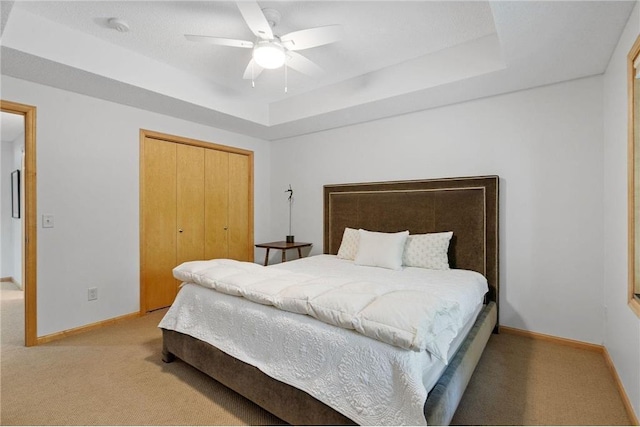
(395, 57)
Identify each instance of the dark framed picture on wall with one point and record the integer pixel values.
(15, 194)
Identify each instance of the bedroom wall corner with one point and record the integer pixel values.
(88, 178)
(622, 326)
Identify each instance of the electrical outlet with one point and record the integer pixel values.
(92, 294)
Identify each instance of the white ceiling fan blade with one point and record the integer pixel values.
(303, 65)
(219, 41)
(255, 19)
(250, 73)
(312, 37)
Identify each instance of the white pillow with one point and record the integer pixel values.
(381, 249)
(349, 245)
(427, 250)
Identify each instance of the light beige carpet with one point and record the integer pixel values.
(115, 376)
(110, 376)
(521, 381)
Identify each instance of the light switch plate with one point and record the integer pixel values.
(47, 221)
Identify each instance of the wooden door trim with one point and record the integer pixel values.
(194, 142)
(141, 193)
(145, 133)
(30, 237)
(141, 285)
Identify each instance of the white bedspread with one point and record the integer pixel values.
(369, 381)
(416, 309)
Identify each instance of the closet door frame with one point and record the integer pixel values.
(144, 133)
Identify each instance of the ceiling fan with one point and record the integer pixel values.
(271, 51)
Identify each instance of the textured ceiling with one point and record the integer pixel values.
(376, 35)
(395, 57)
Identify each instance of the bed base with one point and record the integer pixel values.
(298, 407)
(284, 401)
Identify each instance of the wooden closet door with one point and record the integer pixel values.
(190, 203)
(216, 210)
(158, 215)
(240, 229)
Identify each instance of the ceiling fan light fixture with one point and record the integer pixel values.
(269, 55)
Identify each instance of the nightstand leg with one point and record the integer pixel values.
(284, 255)
(266, 257)
(299, 252)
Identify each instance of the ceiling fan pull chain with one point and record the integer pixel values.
(253, 83)
(285, 76)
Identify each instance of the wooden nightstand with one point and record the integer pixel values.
(283, 246)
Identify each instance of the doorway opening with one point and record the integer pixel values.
(25, 185)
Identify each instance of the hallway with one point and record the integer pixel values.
(11, 316)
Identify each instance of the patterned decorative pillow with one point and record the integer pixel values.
(349, 246)
(427, 250)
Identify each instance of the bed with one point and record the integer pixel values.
(466, 206)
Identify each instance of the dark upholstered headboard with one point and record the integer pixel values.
(466, 206)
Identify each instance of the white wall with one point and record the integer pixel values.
(88, 178)
(546, 146)
(11, 228)
(622, 332)
(6, 236)
(16, 224)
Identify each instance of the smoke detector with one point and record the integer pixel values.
(273, 16)
(118, 25)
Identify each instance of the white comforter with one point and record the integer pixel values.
(416, 309)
